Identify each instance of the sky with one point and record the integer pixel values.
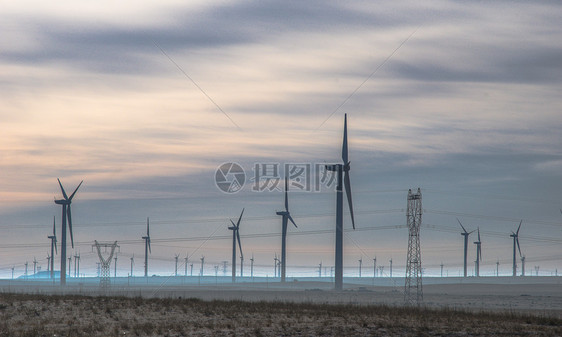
(144, 101)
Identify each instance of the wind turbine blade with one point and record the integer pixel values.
(286, 195)
(147, 227)
(291, 219)
(62, 189)
(518, 228)
(232, 222)
(149, 249)
(518, 247)
(478, 234)
(240, 218)
(239, 244)
(348, 193)
(54, 232)
(68, 212)
(462, 225)
(73, 193)
(344, 153)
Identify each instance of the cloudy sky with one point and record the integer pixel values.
(144, 102)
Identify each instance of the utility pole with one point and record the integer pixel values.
(391, 268)
(191, 266)
(34, 267)
(12, 272)
(360, 263)
(202, 263)
(186, 257)
(26, 270)
(523, 266)
(176, 270)
(320, 269)
(413, 293)
(375, 267)
(115, 266)
(69, 264)
(498, 268)
(441, 269)
(132, 261)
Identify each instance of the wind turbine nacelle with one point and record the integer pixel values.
(281, 213)
(232, 228)
(61, 202)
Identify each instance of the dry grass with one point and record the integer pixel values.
(43, 315)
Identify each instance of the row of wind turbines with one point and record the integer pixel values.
(478, 243)
(340, 169)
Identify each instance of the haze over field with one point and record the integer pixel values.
(144, 102)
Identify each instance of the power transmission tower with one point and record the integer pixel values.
(105, 263)
(413, 293)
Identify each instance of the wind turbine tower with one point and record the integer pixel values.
(53, 249)
(342, 171)
(286, 217)
(66, 214)
(515, 237)
(465, 234)
(235, 228)
(478, 253)
(413, 288)
(147, 248)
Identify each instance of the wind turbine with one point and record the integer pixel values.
(515, 237)
(146, 247)
(478, 253)
(66, 214)
(341, 169)
(465, 234)
(53, 249)
(132, 263)
(286, 216)
(235, 228)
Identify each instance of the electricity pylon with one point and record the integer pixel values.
(413, 293)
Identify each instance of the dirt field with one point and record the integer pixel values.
(173, 307)
(54, 315)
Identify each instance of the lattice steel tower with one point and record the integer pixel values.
(413, 293)
(105, 263)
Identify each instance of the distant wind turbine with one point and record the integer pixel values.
(235, 228)
(478, 253)
(341, 169)
(286, 217)
(515, 237)
(147, 248)
(66, 214)
(53, 249)
(465, 234)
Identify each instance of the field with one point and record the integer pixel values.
(72, 315)
(176, 307)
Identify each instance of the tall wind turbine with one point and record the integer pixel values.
(235, 228)
(465, 234)
(515, 237)
(66, 214)
(341, 169)
(146, 247)
(53, 249)
(478, 253)
(286, 216)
